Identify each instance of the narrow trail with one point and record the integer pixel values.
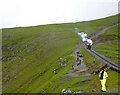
(99, 56)
(99, 32)
(103, 30)
(82, 69)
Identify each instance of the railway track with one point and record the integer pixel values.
(110, 63)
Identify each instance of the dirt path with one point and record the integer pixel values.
(99, 32)
(82, 69)
(78, 70)
(103, 30)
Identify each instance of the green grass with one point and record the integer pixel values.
(109, 44)
(32, 53)
(90, 27)
(35, 57)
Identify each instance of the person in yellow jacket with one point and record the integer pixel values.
(103, 77)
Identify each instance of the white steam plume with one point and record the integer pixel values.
(84, 38)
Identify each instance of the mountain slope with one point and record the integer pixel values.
(30, 54)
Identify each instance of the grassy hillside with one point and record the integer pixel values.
(107, 44)
(30, 54)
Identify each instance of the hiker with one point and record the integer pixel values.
(78, 58)
(72, 66)
(78, 54)
(103, 76)
(78, 61)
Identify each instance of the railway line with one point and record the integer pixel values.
(110, 63)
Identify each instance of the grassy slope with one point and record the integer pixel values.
(108, 44)
(33, 52)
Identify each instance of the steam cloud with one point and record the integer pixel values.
(85, 39)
